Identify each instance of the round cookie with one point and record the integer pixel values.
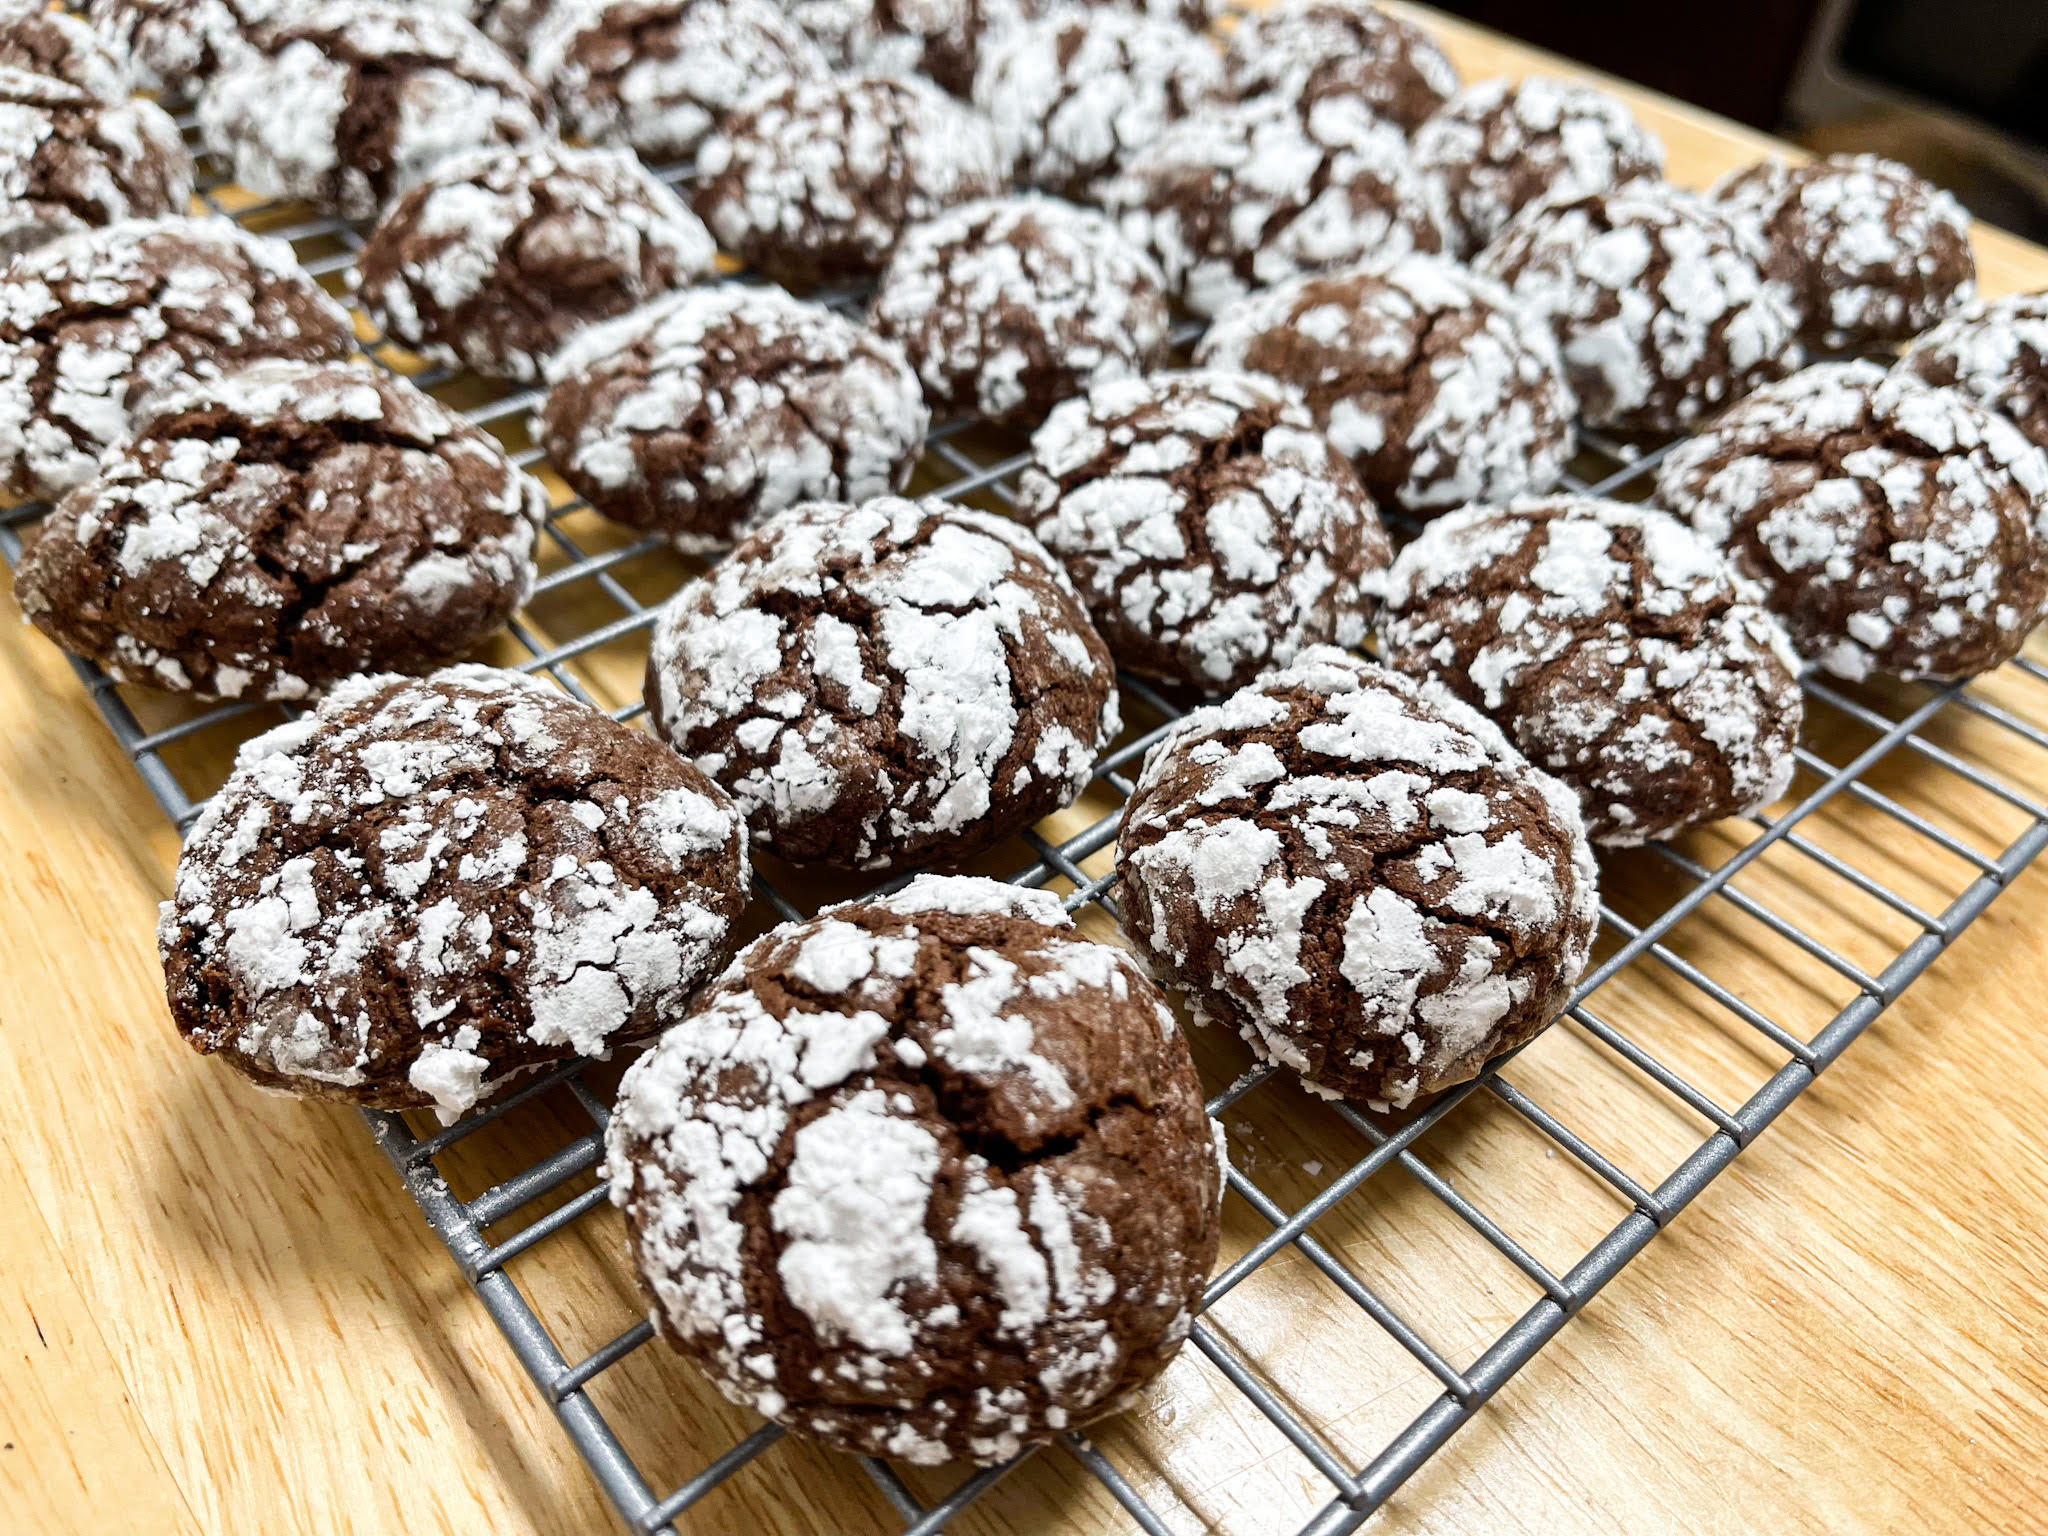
(703, 413)
(1212, 531)
(430, 888)
(71, 161)
(501, 255)
(942, 40)
(179, 46)
(1439, 386)
(925, 1176)
(1659, 302)
(268, 532)
(816, 182)
(1315, 51)
(1077, 92)
(1500, 145)
(657, 75)
(61, 46)
(508, 23)
(885, 685)
(1872, 253)
(1358, 873)
(1997, 354)
(91, 325)
(352, 101)
(1616, 650)
(1894, 527)
(1243, 195)
(1007, 307)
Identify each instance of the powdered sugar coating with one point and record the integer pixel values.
(64, 47)
(508, 23)
(1009, 306)
(1358, 872)
(1659, 301)
(1439, 385)
(1997, 354)
(178, 46)
(1500, 145)
(1076, 93)
(926, 1177)
(502, 254)
(941, 40)
(704, 413)
(1873, 254)
(816, 182)
(1895, 527)
(70, 160)
(657, 75)
(1211, 528)
(91, 325)
(1247, 194)
(429, 888)
(1616, 649)
(1311, 51)
(884, 685)
(352, 101)
(284, 525)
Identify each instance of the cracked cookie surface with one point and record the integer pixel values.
(430, 888)
(1315, 51)
(178, 46)
(71, 161)
(1997, 354)
(926, 1176)
(943, 40)
(62, 46)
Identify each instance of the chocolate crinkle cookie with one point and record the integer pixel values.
(1995, 353)
(885, 685)
(271, 531)
(1440, 386)
(1659, 300)
(430, 888)
(1872, 253)
(926, 1176)
(942, 40)
(815, 182)
(1356, 871)
(1500, 145)
(501, 255)
(510, 24)
(349, 102)
(703, 413)
(1616, 649)
(70, 160)
(93, 324)
(1243, 195)
(1007, 307)
(657, 75)
(1895, 527)
(1074, 95)
(179, 46)
(1311, 51)
(1212, 531)
(62, 46)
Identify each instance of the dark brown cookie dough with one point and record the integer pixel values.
(1659, 300)
(1500, 145)
(1007, 307)
(1242, 195)
(266, 533)
(502, 255)
(1211, 529)
(179, 46)
(1440, 386)
(70, 161)
(885, 685)
(943, 40)
(657, 75)
(1316, 51)
(1359, 874)
(1616, 649)
(61, 46)
(430, 888)
(701, 414)
(93, 324)
(1075, 94)
(1995, 353)
(816, 182)
(1872, 253)
(926, 1176)
(1895, 527)
(349, 102)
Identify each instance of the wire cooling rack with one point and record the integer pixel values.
(1422, 1260)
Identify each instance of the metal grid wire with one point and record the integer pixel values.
(1901, 723)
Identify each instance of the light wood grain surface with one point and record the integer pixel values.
(224, 1315)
